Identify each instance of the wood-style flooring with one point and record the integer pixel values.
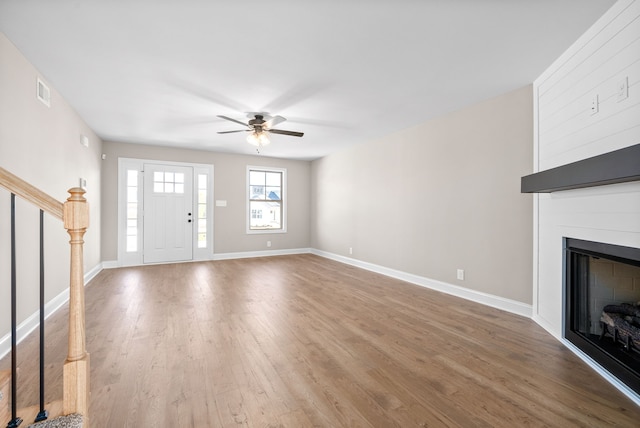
(302, 341)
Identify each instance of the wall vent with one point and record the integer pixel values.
(44, 93)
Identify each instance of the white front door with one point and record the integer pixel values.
(168, 213)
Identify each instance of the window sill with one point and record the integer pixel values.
(265, 232)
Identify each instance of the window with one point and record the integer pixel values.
(168, 182)
(202, 211)
(266, 200)
(132, 211)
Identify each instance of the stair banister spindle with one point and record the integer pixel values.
(42, 414)
(15, 420)
(76, 367)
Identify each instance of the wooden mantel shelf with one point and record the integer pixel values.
(619, 166)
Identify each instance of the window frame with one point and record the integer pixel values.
(283, 200)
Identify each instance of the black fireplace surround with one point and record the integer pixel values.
(614, 352)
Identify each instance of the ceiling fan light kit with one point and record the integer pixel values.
(258, 139)
(259, 129)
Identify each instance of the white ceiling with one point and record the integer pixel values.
(342, 71)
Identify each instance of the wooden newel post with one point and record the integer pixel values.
(76, 367)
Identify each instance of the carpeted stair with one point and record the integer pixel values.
(69, 421)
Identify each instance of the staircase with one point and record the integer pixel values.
(71, 411)
(30, 413)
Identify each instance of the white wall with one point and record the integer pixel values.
(567, 132)
(42, 146)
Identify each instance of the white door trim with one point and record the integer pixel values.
(134, 258)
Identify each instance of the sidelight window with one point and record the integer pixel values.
(132, 211)
(202, 210)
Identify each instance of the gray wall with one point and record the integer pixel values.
(437, 197)
(42, 146)
(229, 184)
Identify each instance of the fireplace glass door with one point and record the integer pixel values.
(602, 305)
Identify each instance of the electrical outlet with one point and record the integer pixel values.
(460, 274)
(623, 89)
(350, 250)
(269, 244)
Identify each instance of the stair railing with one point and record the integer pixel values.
(74, 213)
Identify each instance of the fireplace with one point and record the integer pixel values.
(602, 305)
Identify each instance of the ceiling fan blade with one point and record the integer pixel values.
(232, 120)
(231, 132)
(273, 121)
(291, 133)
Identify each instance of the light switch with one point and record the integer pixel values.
(623, 89)
(595, 105)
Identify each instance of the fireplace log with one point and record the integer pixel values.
(630, 309)
(621, 326)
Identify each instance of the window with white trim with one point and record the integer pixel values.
(202, 210)
(132, 211)
(266, 198)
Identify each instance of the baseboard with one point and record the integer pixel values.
(547, 326)
(631, 394)
(110, 264)
(267, 253)
(497, 302)
(88, 276)
(33, 321)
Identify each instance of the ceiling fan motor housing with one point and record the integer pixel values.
(258, 121)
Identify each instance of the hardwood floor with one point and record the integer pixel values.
(301, 341)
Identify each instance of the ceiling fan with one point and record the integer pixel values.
(260, 129)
